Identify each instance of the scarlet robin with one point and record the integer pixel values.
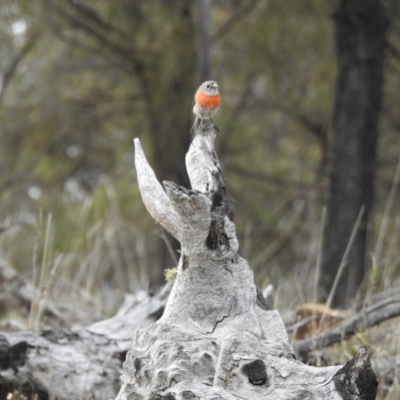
(206, 102)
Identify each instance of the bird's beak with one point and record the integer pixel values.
(215, 85)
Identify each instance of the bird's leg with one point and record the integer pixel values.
(195, 126)
(215, 126)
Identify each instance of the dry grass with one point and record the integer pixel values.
(87, 265)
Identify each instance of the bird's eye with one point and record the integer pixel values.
(208, 86)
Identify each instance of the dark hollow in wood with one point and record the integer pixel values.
(256, 372)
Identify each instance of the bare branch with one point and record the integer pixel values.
(154, 197)
(12, 68)
(366, 318)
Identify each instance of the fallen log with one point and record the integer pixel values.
(75, 363)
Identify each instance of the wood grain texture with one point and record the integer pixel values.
(216, 339)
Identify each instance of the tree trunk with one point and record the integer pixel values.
(218, 338)
(360, 43)
(167, 78)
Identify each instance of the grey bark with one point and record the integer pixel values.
(218, 339)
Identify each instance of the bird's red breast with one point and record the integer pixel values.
(208, 101)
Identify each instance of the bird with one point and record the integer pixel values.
(206, 103)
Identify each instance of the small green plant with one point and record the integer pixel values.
(170, 274)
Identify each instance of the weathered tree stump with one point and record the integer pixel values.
(218, 338)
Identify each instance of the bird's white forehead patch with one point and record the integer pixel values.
(209, 86)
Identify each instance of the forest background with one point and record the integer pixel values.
(81, 79)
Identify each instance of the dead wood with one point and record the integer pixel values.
(218, 338)
(370, 316)
(76, 363)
